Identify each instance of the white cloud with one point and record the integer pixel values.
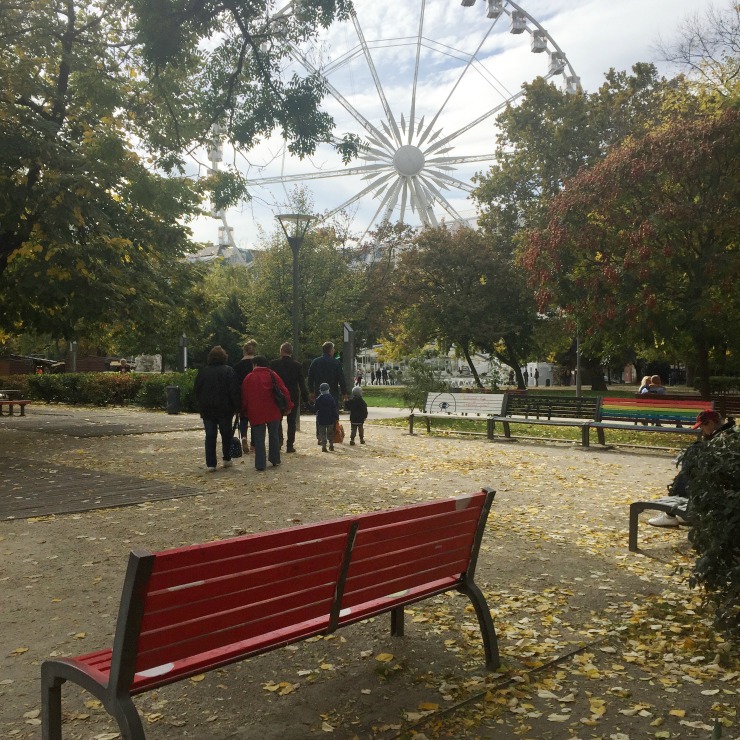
(594, 34)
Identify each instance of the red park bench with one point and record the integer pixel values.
(193, 609)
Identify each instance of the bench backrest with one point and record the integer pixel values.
(189, 608)
(197, 600)
(464, 404)
(651, 408)
(412, 552)
(726, 404)
(551, 407)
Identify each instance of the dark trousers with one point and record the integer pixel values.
(272, 430)
(213, 427)
(355, 429)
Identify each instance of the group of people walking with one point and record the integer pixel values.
(258, 394)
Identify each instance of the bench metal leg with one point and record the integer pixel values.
(397, 621)
(507, 429)
(23, 409)
(128, 719)
(600, 435)
(51, 706)
(487, 630)
(489, 428)
(585, 435)
(635, 510)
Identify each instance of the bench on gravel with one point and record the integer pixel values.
(11, 403)
(672, 505)
(459, 406)
(193, 609)
(652, 414)
(556, 410)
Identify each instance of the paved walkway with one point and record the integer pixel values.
(32, 487)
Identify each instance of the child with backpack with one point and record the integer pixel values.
(327, 415)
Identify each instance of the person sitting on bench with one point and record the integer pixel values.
(710, 423)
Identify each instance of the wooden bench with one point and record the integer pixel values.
(650, 413)
(669, 504)
(11, 403)
(556, 410)
(193, 609)
(443, 405)
(725, 404)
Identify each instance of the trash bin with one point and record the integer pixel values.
(547, 382)
(173, 399)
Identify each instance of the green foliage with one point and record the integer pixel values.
(713, 470)
(720, 383)
(419, 378)
(153, 393)
(330, 293)
(460, 287)
(99, 102)
(106, 389)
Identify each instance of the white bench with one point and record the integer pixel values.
(444, 405)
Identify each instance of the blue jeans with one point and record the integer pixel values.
(213, 427)
(273, 440)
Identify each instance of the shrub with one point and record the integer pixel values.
(713, 472)
(719, 384)
(153, 393)
(419, 378)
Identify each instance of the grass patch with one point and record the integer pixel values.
(536, 431)
(382, 396)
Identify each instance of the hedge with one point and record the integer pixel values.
(105, 389)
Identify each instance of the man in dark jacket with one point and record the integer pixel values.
(291, 374)
(242, 369)
(217, 395)
(326, 369)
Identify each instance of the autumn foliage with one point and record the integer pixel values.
(644, 243)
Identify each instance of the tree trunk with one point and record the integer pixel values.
(702, 369)
(469, 360)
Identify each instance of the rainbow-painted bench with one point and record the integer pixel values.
(193, 609)
(650, 413)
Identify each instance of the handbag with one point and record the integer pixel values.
(338, 433)
(236, 442)
(278, 395)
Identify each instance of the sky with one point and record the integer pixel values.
(468, 67)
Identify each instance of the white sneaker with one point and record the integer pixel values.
(228, 463)
(664, 520)
(210, 470)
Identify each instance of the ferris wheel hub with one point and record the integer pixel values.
(408, 160)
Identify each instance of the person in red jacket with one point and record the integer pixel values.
(259, 406)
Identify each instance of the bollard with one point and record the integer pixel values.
(173, 399)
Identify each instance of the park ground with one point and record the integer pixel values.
(597, 642)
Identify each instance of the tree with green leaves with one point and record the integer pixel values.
(644, 243)
(330, 293)
(101, 102)
(456, 288)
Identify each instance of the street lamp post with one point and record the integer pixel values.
(295, 226)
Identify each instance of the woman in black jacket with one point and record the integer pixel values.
(217, 395)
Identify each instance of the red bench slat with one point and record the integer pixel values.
(158, 654)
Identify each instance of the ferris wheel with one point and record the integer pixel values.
(421, 84)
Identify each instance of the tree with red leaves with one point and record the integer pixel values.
(644, 245)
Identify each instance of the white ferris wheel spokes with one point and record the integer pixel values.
(420, 104)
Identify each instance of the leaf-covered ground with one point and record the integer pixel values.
(597, 642)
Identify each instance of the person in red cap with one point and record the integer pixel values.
(711, 425)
